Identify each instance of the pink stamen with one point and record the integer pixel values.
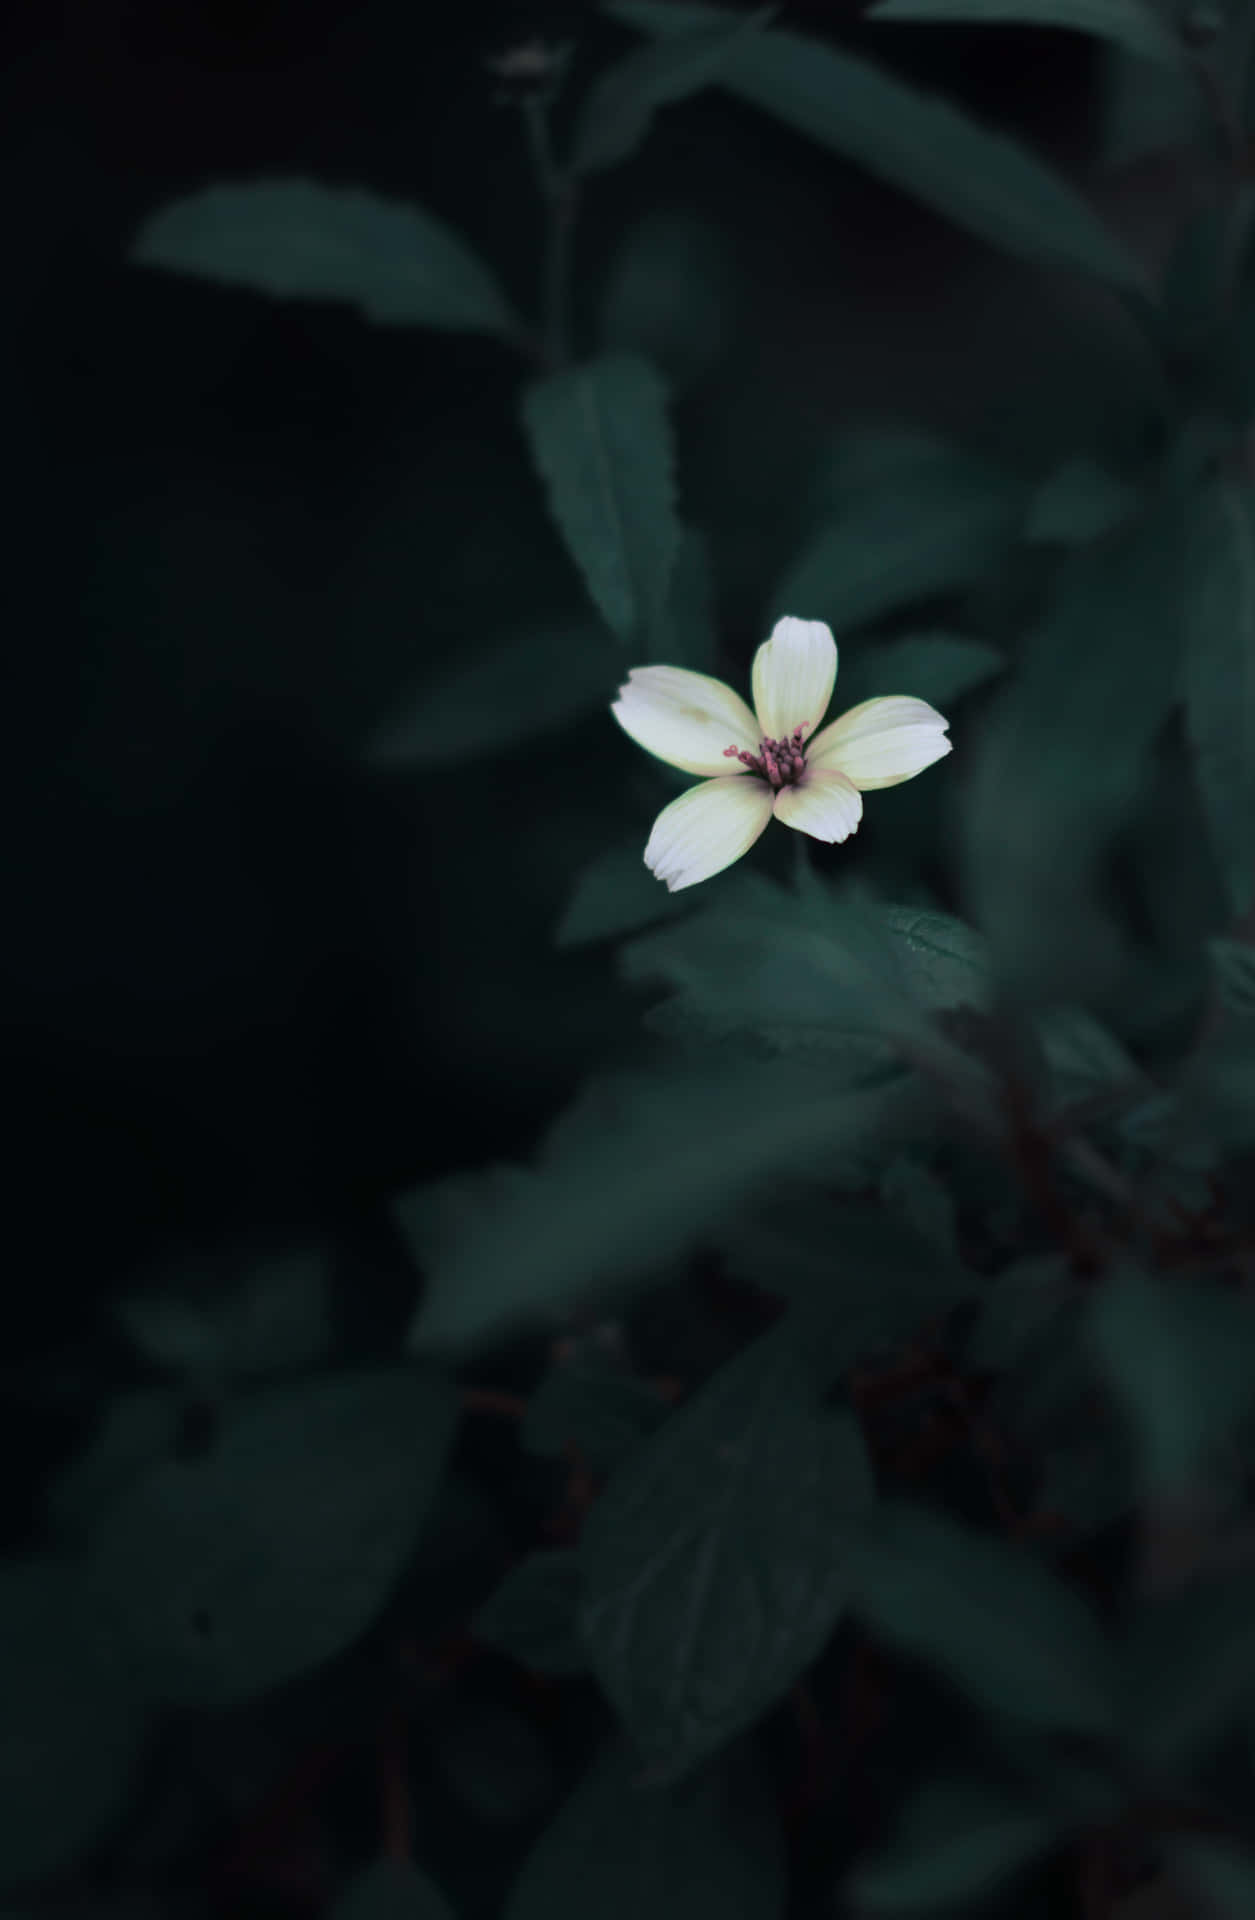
(780, 762)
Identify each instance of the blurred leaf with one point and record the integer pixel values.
(957, 1840)
(639, 1168)
(937, 667)
(1220, 679)
(72, 1726)
(239, 1567)
(533, 1614)
(391, 1890)
(708, 1850)
(496, 1764)
(1224, 1876)
(1017, 1308)
(137, 1428)
(1078, 502)
(601, 440)
(920, 144)
(1189, 1673)
(1233, 963)
(687, 635)
(671, 294)
(594, 1406)
(616, 893)
(1084, 1059)
(915, 1192)
(1065, 755)
(539, 680)
(1181, 1363)
(997, 1623)
(248, 1316)
(616, 112)
(930, 535)
(1146, 109)
(1128, 23)
(716, 1562)
(294, 238)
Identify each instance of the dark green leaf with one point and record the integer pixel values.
(1180, 1359)
(234, 1319)
(1220, 679)
(915, 1193)
(539, 680)
(1146, 109)
(590, 1403)
(686, 634)
(634, 1173)
(602, 442)
(1189, 1673)
(937, 667)
(294, 238)
(1233, 963)
(1084, 1059)
(616, 113)
(957, 1841)
(1220, 1873)
(672, 294)
(995, 1621)
(1077, 502)
(1127, 23)
(716, 1562)
(532, 1615)
(924, 146)
(1026, 1298)
(392, 1890)
(72, 1724)
(138, 1429)
(615, 894)
(621, 1849)
(239, 1567)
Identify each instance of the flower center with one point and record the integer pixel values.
(782, 762)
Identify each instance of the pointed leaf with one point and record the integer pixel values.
(299, 240)
(616, 113)
(1220, 679)
(1126, 23)
(921, 144)
(716, 1562)
(602, 442)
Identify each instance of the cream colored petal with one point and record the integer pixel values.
(825, 805)
(706, 829)
(685, 718)
(882, 742)
(793, 677)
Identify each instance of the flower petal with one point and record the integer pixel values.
(824, 804)
(685, 718)
(882, 742)
(706, 829)
(793, 678)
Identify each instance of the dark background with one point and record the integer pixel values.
(251, 985)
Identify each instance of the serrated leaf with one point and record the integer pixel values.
(995, 1621)
(716, 1561)
(923, 145)
(602, 443)
(391, 1890)
(234, 1569)
(1233, 963)
(1188, 1673)
(1220, 679)
(1079, 501)
(957, 1841)
(296, 239)
(634, 1172)
(533, 1614)
(1181, 1362)
(887, 552)
(938, 667)
(543, 677)
(1126, 23)
(616, 113)
(72, 1721)
(620, 1848)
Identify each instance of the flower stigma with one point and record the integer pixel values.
(782, 762)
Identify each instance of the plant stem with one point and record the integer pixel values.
(558, 193)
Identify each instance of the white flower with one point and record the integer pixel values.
(779, 765)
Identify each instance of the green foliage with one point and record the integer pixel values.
(616, 893)
(996, 1622)
(1188, 1674)
(391, 1890)
(1220, 679)
(938, 667)
(234, 1569)
(717, 1562)
(623, 1846)
(73, 1724)
(672, 294)
(957, 1841)
(534, 1613)
(298, 240)
(981, 180)
(590, 1401)
(1126, 23)
(1221, 1873)
(1078, 502)
(602, 444)
(216, 1321)
(616, 113)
